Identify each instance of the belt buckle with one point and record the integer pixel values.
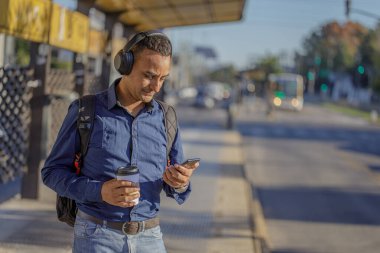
(128, 224)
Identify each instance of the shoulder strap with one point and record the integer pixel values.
(85, 121)
(170, 124)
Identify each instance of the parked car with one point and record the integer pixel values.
(212, 94)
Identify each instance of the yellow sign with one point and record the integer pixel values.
(97, 42)
(69, 29)
(27, 19)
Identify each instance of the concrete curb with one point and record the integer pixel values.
(259, 228)
(260, 234)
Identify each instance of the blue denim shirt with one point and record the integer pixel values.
(117, 139)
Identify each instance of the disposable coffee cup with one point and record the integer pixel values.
(131, 174)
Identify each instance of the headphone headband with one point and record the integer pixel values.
(140, 36)
(124, 58)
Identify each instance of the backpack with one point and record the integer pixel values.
(66, 208)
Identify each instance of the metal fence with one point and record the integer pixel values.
(47, 105)
(60, 87)
(15, 117)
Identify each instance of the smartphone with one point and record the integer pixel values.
(191, 161)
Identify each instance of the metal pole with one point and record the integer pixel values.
(40, 62)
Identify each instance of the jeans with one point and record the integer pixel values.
(94, 238)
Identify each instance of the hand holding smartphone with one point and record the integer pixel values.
(179, 177)
(190, 162)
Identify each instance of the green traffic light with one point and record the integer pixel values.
(361, 69)
(310, 76)
(324, 87)
(317, 60)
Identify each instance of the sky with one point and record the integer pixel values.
(267, 26)
(270, 26)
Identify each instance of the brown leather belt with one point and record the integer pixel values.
(128, 228)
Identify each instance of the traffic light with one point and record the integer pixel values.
(324, 87)
(360, 69)
(348, 8)
(310, 75)
(361, 78)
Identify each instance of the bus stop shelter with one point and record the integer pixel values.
(36, 85)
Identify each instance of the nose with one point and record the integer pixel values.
(156, 85)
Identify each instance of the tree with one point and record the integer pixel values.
(334, 46)
(226, 74)
(264, 66)
(370, 56)
(269, 64)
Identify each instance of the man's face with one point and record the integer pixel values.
(149, 72)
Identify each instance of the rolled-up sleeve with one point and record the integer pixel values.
(179, 197)
(176, 156)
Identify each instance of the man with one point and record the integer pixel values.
(128, 130)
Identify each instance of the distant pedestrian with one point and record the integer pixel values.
(128, 131)
(270, 89)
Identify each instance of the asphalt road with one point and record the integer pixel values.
(317, 176)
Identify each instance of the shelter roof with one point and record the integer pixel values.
(157, 14)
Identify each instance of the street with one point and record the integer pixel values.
(316, 174)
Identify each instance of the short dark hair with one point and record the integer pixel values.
(158, 43)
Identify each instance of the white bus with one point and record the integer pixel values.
(286, 91)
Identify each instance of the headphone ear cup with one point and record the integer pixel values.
(123, 62)
(128, 60)
(118, 62)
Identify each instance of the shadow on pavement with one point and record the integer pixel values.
(34, 228)
(209, 169)
(332, 205)
(357, 140)
(375, 168)
(211, 143)
(192, 224)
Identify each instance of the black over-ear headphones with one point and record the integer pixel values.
(123, 61)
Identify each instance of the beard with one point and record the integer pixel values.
(146, 98)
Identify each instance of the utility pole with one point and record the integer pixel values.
(349, 10)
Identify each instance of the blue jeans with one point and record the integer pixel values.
(94, 238)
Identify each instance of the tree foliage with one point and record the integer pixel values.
(370, 56)
(264, 66)
(334, 46)
(226, 74)
(261, 69)
(269, 64)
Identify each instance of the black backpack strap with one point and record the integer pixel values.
(170, 124)
(85, 121)
(66, 208)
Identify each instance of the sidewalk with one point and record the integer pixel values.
(215, 219)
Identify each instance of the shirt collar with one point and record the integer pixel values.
(112, 98)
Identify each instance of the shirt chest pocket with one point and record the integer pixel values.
(104, 133)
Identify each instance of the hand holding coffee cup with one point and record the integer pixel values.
(132, 175)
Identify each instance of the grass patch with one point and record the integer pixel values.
(350, 111)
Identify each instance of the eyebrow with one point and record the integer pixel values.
(154, 74)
